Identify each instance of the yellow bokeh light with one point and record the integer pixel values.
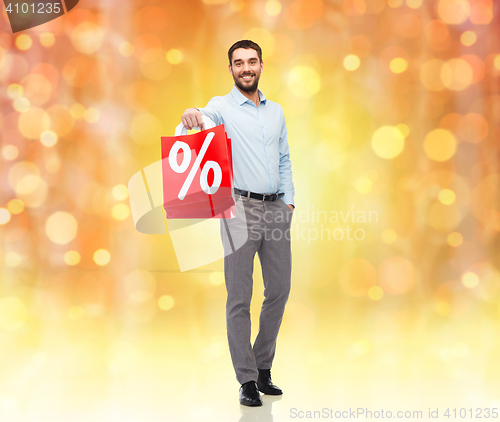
(61, 119)
(28, 184)
(414, 4)
(404, 129)
(397, 275)
(24, 177)
(389, 236)
(24, 42)
(375, 293)
(10, 152)
(457, 74)
(102, 257)
(92, 115)
(13, 313)
(15, 206)
(75, 312)
(216, 278)
(273, 7)
(468, 38)
(470, 280)
(363, 185)
(394, 3)
(488, 281)
(126, 49)
(443, 218)
(447, 196)
(362, 347)
(453, 12)
(87, 37)
(4, 216)
(388, 142)
(443, 308)
(77, 111)
(33, 123)
(166, 302)
(303, 81)
(47, 39)
(120, 192)
(120, 212)
(61, 227)
(356, 276)
(48, 138)
(53, 164)
(440, 145)
(496, 62)
(352, 62)
(455, 239)
(13, 259)
(264, 38)
(398, 65)
(236, 5)
(15, 91)
(21, 104)
(72, 258)
(175, 56)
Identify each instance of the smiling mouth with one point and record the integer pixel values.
(247, 77)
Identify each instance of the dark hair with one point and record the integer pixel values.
(244, 44)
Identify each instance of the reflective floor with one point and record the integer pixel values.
(183, 372)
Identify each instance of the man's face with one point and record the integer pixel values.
(246, 69)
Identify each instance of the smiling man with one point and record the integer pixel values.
(263, 178)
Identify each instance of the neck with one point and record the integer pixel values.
(252, 96)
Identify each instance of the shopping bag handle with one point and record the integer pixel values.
(180, 130)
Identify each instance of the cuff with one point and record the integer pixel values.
(287, 198)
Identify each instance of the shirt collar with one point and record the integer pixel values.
(241, 99)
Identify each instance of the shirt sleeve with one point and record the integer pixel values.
(285, 166)
(212, 111)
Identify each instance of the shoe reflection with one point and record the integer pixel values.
(262, 413)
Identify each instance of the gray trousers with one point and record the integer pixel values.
(266, 227)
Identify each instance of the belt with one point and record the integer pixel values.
(260, 196)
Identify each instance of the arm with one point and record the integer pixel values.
(285, 168)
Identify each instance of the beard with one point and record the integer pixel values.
(247, 88)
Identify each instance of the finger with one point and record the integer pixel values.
(184, 122)
(199, 122)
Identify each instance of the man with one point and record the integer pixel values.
(263, 179)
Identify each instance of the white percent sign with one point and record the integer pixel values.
(186, 160)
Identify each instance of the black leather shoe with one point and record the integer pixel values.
(266, 385)
(249, 394)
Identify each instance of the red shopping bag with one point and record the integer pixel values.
(197, 173)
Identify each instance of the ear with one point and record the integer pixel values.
(261, 67)
(230, 70)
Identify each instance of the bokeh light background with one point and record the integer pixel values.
(393, 108)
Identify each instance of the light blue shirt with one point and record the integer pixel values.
(261, 158)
